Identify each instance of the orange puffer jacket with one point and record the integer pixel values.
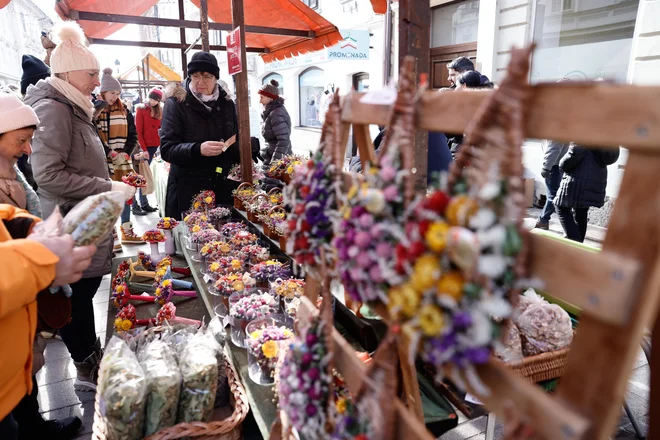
(27, 268)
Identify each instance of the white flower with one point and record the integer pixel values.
(496, 307)
(490, 190)
(493, 237)
(492, 266)
(374, 201)
(480, 333)
(483, 219)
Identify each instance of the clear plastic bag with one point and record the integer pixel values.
(199, 370)
(93, 218)
(544, 327)
(530, 297)
(163, 384)
(217, 329)
(122, 392)
(510, 349)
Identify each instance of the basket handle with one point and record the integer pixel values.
(276, 208)
(274, 190)
(244, 185)
(257, 197)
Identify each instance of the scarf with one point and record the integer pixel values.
(206, 98)
(113, 128)
(12, 191)
(72, 94)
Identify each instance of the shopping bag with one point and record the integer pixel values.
(145, 170)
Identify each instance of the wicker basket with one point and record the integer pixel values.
(226, 429)
(541, 367)
(282, 239)
(238, 204)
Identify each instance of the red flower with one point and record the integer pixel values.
(292, 225)
(300, 209)
(423, 227)
(301, 243)
(401, 252)
(304, 191)
(304, 226)
(310, 164)
(438, 202)
(417, 249)
(360, 437)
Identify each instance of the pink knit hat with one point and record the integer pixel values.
(15, 115)
(71, 53)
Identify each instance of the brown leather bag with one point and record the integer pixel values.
(53, 310)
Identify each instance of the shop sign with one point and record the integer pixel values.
(354, 46)
(234, 51)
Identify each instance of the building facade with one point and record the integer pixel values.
(21, 22)
(611, 40)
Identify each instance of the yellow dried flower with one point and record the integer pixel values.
(451, 284)
(431, 320)
(426, 272)
(269, 349)
(436, 236)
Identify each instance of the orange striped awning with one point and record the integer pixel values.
(284, 14)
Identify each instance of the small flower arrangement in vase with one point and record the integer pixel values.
(199, 239)
(153, 237)
(253, 254)
(203, 201)
(229, 229)
(270, 270)
(135, 180)
(219, 215)
(287, 289)
(265, 339)
(225, 265)
(243, 238)
(167, 224)
(228, 284)
(246, 306)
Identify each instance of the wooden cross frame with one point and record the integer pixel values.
(617, 289)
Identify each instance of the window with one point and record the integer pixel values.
(277, 77)
(311, 3)
(311, 86)
(595, 45)
(455, 23)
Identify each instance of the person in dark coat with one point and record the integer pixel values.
(582, 186)
(198, 118)
(276, 128)
(553, 152)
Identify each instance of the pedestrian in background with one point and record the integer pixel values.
(550, 171)
(70, 165)
(276, 129)
(198, 118)
(148, 117)
(582, 186)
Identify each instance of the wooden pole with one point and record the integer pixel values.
(204, 21)
(241, 81)
(414, 35)
(148, 76)
(182, 36)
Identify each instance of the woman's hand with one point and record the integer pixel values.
(212, 148)
(73, 259)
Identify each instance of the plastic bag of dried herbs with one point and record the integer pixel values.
(93, 218)
(163, 385)
(199, 370)
(123, 392)
(217, 329)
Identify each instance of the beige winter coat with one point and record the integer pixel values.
(68, 161)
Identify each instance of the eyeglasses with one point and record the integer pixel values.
(205, 78)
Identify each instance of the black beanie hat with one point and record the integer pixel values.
(33, 70)
(204, 62)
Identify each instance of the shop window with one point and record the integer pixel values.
(277, 77)
(456, 23)
(581, 40)
(311, 87)
(311, 3)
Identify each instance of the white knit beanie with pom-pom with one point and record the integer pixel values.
(71, 52)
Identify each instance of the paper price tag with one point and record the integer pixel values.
(470, 398)
(218, 170)
(229, 142)
(208, 278)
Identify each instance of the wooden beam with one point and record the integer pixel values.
(601, 357)
(601, 284)
(182, 37)
(184, 24)
(242, 104)
(159, 45)
(204, 24)
(609, 115)
(353, 371)
(414, 39)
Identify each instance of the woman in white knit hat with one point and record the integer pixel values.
(69, 164)
(117, 131)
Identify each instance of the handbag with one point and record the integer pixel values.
(53, 310)
(145, 170)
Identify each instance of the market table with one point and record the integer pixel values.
(359, 333)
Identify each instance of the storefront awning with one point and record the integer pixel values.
(4, 3)
(379, 6)
(153, 65)
(291, 15)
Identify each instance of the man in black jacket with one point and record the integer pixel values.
(198, 118)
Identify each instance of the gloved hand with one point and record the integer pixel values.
(545, 173)
(127, 190)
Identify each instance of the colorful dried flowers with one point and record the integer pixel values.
(203, 201)
(167, 223)
(253, 306)
(270, 270)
